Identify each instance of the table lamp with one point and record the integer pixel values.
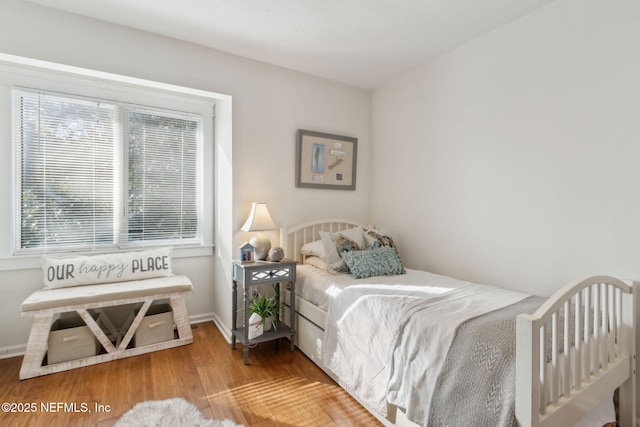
(259, 220)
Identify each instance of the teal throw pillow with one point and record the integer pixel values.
(382, 261)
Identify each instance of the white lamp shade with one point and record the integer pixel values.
(259, 218)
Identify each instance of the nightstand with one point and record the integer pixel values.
(257, 274)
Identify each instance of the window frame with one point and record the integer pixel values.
(126, 90)
(119, 223)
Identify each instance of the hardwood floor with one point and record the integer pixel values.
(277, 388)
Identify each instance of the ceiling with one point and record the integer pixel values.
(359, 42)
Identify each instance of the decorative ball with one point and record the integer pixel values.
(276, 254)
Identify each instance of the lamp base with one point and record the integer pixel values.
(261, 245)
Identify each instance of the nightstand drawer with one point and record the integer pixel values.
(279, 273)
(252, 273)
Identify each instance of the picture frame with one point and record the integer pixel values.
(325, 161)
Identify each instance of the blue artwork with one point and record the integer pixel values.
(317, 162)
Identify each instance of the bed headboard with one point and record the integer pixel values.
(292, 238)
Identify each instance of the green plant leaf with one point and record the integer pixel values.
(266, 307)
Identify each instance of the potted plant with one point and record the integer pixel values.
(266, 308)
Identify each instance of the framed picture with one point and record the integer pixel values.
(325, 161)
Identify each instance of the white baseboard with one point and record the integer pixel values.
(226, 332)
(19, 350)
(12, 351)
(201, 318)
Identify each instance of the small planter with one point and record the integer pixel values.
(267, 308)
(267, 324)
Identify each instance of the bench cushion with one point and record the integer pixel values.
(79, 295)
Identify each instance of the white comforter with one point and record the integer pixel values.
(386, 338)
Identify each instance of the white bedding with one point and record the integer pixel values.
(319, 287)
(397, 358)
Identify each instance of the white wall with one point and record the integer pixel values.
(518, 153)
(254, 157)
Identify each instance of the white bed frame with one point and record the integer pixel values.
(603, 357)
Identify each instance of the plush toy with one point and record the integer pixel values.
(345, 244)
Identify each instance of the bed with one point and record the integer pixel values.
(400, 347)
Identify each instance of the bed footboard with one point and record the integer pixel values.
(575, 350)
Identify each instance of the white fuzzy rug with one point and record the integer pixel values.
(169, 413)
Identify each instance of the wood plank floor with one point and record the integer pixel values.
(277, 388)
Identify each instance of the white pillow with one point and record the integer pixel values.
(107, 268)
(356, 234)
(318, 263)
(315, 248)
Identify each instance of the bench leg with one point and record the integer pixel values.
(114, 333)
(36, 346)
(134, 326)
(181, 318)
(97, 331)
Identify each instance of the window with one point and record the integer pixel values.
(97, 174)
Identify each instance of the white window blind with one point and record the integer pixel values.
(162, 200)
(95, 174)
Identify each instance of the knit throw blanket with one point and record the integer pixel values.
(476, 386)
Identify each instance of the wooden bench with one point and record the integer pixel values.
(46, 305)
